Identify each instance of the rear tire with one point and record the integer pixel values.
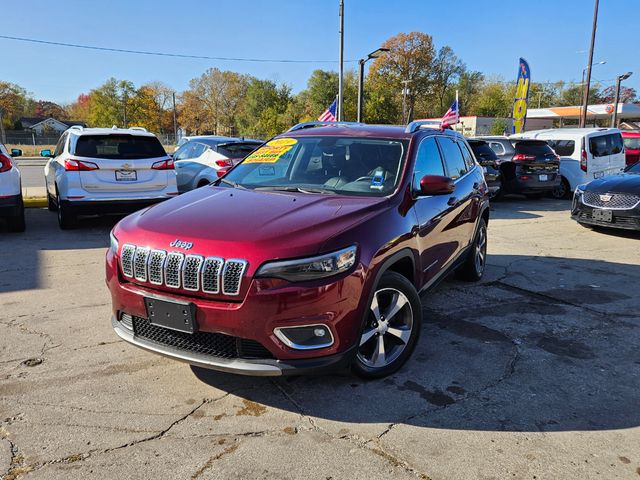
(391, 328)
(17, 223)
(562, 191)
(66, 218)
(474, 265)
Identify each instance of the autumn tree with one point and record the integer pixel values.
(106, 106)
(44, 108)
(79, 110)
(213, 102)
(14, 103)
(409, 62)
(627, 95)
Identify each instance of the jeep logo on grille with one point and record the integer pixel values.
(180, 244)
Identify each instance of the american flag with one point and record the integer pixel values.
(452, 116)
(329, 115)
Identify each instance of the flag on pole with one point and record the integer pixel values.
(452, 116)
(329, 115)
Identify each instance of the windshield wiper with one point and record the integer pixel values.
(298, 189)
(233, 184)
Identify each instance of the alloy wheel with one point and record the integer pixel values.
(388, 328)
(481, 249)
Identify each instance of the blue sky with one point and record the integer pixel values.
(553, 36)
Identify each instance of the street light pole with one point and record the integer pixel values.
(361, 62)
(585, 99)
(620, 78)
(583, 72)
(341, 65)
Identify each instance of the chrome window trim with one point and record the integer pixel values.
(283, 338)
(244, 264)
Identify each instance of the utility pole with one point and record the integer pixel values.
(341, 66)
(620, 78)
(3, 137)
(175, 122)
(585, 99)
(405, 92)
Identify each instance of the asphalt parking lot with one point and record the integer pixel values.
(533, 373)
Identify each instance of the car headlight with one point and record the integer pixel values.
(113, 245)
(310, 268)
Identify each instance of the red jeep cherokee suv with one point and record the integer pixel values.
(308, 255)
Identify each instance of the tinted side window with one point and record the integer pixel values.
(533, 147)
(428, 161)
(616, 143)
(599, 146)
(198, 149)
(60, 145)
(453, 158)
(497, 147)
(564, 148)
(466, 154)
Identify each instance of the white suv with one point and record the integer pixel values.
(107, 170)
(11, 206)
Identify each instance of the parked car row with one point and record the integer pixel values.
(11, 204)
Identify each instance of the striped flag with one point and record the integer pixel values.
(329, 115)
(452, 116)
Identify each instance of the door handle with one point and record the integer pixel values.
(452, 201)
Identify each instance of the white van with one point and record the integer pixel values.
(585, 154)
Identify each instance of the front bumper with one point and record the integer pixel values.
(263, 307)
(11, 206)
(241, 366)
(628, 219)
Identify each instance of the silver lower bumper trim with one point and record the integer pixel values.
(241, 367)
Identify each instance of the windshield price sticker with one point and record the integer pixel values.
(272, 151)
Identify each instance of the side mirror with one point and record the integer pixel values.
(46, 153)
(16, 152)
(436, 185)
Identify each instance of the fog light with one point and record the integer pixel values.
(305, 337)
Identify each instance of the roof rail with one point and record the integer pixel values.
(76, 127)
(303, 125)
(418, 124)
(140, 129)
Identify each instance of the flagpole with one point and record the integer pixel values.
(340, 112)
(458, 109)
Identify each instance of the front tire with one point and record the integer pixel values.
(391, 328)
(474, 265)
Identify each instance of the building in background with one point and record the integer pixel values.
(50, 125)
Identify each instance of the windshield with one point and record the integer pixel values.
(119, 147)
(635, 168)
(632, 143)
(482, 150)
(533, 148)
(345, 165)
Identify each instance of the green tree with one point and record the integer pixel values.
(263, 111)
(447, 69)
(14, 103)
(106, 107)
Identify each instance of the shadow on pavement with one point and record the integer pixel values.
(520, 353)
(514, 207)
(20, 253)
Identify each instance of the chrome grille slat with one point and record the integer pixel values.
(140, 263)
(618, 201)
(211, 271)
(172, 268)
(126, 259)
(211, 275)
(191, 272)
(232, 276)
(156, 266)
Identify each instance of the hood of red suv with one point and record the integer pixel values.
(253, 225)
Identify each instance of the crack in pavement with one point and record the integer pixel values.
(355, 440)
(209, 463)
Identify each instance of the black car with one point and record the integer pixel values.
(528, 167)
(612, 201)
(490, 163)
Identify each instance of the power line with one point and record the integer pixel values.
(164, 54)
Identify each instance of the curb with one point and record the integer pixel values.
(35, 202)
